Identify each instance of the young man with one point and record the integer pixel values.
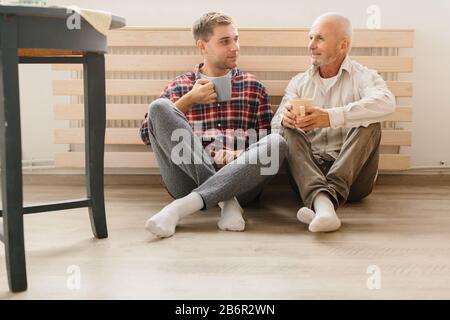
(215, 134)
(334, 150)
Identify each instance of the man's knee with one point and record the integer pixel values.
(278, 143)
(370, 132)
(271, 151)
(374, 128)
(159, 108)
(296, 138)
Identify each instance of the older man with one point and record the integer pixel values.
(334, 149)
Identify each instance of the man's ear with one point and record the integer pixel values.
(201, 44)
(345, 43)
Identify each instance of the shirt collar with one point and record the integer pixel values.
(234, 71)
(345, 65)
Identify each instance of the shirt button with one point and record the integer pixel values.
(219, 125)
(218, 104)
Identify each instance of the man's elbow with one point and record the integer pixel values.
(389, 103)
(392, 103)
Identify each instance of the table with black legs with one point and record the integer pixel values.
(41, 35)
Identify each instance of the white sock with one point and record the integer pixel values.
(305, 215)
(325, 219)
(231, 219)
(164, 222)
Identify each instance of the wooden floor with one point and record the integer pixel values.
(403, 230)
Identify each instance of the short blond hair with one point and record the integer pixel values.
(203, 28)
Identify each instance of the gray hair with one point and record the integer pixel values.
(345, 30)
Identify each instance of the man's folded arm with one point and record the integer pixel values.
(376, 102)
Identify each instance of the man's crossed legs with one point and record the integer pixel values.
(195, 183)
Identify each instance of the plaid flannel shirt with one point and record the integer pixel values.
(229, 121)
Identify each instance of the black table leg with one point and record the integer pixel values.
(95, 122)
(11, 157)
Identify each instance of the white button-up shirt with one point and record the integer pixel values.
(356, 96)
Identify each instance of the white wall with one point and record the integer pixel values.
(431, 77)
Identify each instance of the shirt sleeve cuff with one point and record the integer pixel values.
(337, 118)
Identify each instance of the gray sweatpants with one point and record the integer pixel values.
(348, 178)
(241, 178)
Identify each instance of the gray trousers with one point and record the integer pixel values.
(348, 178)
(236, 179)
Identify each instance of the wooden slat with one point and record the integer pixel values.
(148, 37)
(113, 87)
(137, 112)
(363, 38)
(183, 63)
(401, 89)
(388, 162)
(251, 37)
(113, 136)
(155, 87)
(402, 114)
(112, 160)
(113, 111)
(396, 138)
(394, 162)
(131, 136)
